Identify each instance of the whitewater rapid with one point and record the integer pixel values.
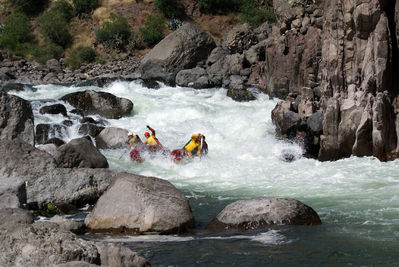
(355, 197)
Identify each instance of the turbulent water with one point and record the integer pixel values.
(356, 198)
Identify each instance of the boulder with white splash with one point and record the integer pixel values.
(112, 137)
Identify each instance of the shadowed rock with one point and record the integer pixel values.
(80, 153)
(16, 118)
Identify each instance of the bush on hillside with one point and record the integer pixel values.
(170, 8)
(29, 7)
(16, 31)
(154, 28)
(83, 8)
(65, 8)
(80, 55)
(218, 6)
(115, 32)
(43, 53)
(254, 15)
(55, 30)
(135, 41)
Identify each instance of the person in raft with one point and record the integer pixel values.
(193, 147)
(151, 140)
(133, 140)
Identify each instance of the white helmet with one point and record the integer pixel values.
(129, 133)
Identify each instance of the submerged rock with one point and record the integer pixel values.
(262, 212)
(138, 204)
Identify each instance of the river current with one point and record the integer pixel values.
(356, 198)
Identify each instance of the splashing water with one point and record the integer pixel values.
(356, 198)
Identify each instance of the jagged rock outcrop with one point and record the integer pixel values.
(102, 103)
(262, 212)
(353, 87)
(16, 118)
(138, 204)
(182, 49)
(45, 183)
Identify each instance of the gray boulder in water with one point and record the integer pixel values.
(105, 104)
(111, 137)
(262, 212)
(139, 204)
(80, 153)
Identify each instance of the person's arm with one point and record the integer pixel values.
(152, 130)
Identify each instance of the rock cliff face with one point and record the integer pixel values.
(343, 66)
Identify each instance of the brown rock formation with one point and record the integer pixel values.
(359, 52)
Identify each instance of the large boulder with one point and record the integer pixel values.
(20, 159)
(101, 103)
(69, 189)
(80, 153)
(140, 204)
(44, 244)
(262, 212)
(16, 118)
(12, 193)
(45, 182)
(182, 49)
(112, 137)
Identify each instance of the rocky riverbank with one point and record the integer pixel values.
(14, 69)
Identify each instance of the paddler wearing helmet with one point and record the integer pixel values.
(193, 147)
(133, 140)
(151, 140)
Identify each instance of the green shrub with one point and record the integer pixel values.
(170, 8)
(254, 15)
(80, 55)
(55, 30)
(16, 31)
(64, 8)
(43, 53)
(135, 41)
(154, 28)
(218, 6)
(29, 7)
(84, 8)
(115, 32)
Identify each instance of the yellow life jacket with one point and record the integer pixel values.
(151, 141)
(193, 147)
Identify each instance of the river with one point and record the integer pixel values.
(356, 198)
